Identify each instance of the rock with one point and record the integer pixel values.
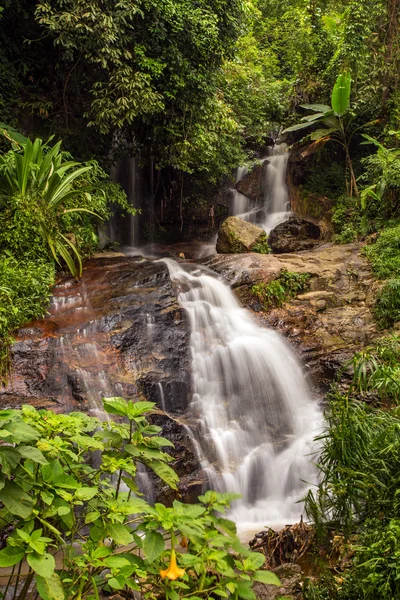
(290, 576)
(237, 236)
(252, 184)
(118, 331)
(293, 235)
(328, 323)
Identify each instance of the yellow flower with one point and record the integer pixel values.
(173, 571)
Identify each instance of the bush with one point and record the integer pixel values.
(109, 538)
(346, 220)
(384, 254)
(286, 286)
(376, 570)
(387, 304)
(358, 464)
(24, 293)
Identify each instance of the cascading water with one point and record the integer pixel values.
(256, 419)
(240, 204)
(276, 200)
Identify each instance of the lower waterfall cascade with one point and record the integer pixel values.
(256, 420)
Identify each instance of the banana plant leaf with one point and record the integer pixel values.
(316, 107)
(341, 94)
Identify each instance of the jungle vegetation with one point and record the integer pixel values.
(195, 89)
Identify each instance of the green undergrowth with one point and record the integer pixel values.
(50, 209)
(288, 285)
(24, 294)
(108, 539)
(358, 497)
(384, 254)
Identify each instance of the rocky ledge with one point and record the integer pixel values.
(119, 331)
(326, 324)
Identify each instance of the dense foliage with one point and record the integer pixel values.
(50, 207)
(68, 489)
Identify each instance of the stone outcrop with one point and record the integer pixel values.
(252, 184)
(237, 236)
(328, 323)
(119, 331)
(294, 235)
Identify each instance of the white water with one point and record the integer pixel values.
(257, 421)
(276, 200)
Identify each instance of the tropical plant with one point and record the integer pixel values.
(38, 177)
(336, 123)
(384, 254)
(380, 196)
(276, 292)
(358, 464)
(59, 503)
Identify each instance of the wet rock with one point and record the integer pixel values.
(328, 323)
(237, 236)
(252, 184)
(117, 331)
(294, 235)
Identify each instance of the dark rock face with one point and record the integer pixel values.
(252, 184)
(237, 236)
(119, 331)
(293, 235)
(122, 323)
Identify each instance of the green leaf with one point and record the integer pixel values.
(266, 577)
(254, 561)
(116, 562)
(85, 493)
(153, 545)
(33, 454)
(318, 108)
(22, 432)
(43, 565)
(137, 409)
(16, 500)
(119, 533)
(92, 516)
(66, 481)
(341, 94)
(116, 406)
(63, 510)
(165, 473)
(10, 556)
(50, 588)
(244, 590)
(9, 459)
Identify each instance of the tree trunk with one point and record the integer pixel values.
(353, 182)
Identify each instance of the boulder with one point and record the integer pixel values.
(236, 236)
(252, 184)
(293, 235)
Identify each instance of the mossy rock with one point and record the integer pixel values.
(236, 236)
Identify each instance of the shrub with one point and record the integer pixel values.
(377, 369)
(55, 500)
(24, 293)
(384, 254)
(387, 304)
(358, 464)
(286, 286)
(376, 565)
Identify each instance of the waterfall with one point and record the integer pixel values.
(256, 421)
(276, 200)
